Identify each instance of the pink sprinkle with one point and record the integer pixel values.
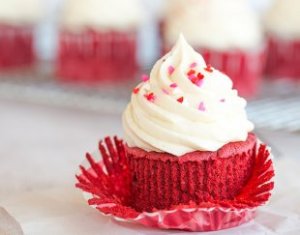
(201, 107)
(171, 69)
(199, 83)
(145, 78)
(222, 100)
(173, 85)
(165, 91)
(192, 76)
(193, 65)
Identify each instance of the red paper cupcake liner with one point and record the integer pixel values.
(283, 60)
(16, 46)
(92, 56)
(107, 187)
(244, 68)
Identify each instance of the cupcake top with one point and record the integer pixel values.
(101, 14)
(20, 12)
(283, 18)
(184, 106)
(215, 24)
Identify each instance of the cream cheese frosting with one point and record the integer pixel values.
(20, 11)
(215, 24)
(184, 106)
(283, 18)
(102, 14)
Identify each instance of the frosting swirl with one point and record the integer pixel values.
(184, 106)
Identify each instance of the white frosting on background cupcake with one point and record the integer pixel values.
(102, 14)
(185, 106)
(283, 18)
(216, 24)
(20, 11)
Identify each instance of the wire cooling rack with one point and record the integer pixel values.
(276, 107)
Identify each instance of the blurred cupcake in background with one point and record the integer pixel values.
(18, 19)
(282, 23)
(226, 33)
(98, 40)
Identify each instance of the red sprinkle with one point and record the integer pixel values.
(173, 85)
(145, 78)
(150, 97)
(193, 65)
(209, 68)
(191, 72)
(180, 100)
(200, 76)
(171, 69)
(136, 90)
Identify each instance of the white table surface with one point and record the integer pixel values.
(41, 148)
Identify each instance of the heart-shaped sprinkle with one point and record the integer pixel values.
(193, 65)
(136, 90)
(180, 100)
(171, 70)
(145, 78)
(150, 97)
(209, 68)
(173, 85)
(201, 107)
(165, 91)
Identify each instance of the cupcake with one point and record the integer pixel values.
(227, 33)
(98, 41)
(17, 21)
(190, 160)
(188, 137)
(282, 24)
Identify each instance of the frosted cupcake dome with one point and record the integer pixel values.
(102, 14)
(20, 11)
(205, 22)
(283, 18)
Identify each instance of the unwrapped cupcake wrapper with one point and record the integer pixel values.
(283, 59)
(91, 56)
(106, 184)
(16, 46)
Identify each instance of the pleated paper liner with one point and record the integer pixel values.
(283, 59)
(106, 184)
(16, 46)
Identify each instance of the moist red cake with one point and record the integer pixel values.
(92, 56)
(161, 180)
(16, 46)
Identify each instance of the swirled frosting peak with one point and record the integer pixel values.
(184, 106)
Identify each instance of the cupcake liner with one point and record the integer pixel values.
(283, 58)
(244, 68)
(91, 56)
(16, 46)
(107, 187)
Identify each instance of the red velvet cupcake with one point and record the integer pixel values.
(282, 27)
(98, 42)
(226, 33)
(188, 135)
(17, 22)
(190, 160)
